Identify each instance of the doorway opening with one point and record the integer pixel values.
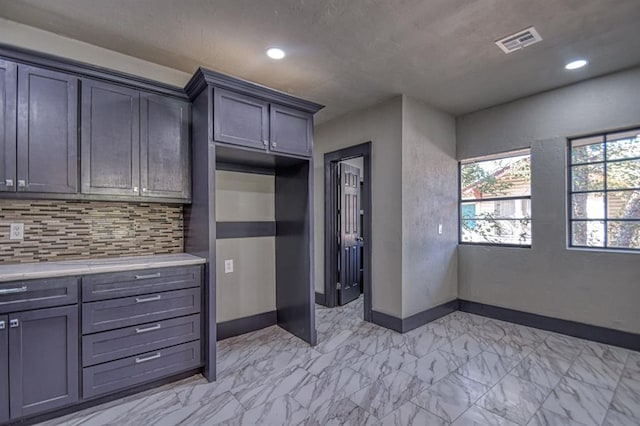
(348, 227)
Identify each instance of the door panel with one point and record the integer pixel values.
(110, 139)
(240, 120)
(290, 131)
(4, 368)
(8, 88)
(44, 358)
(349, 223)
(47, 131)
(164, 148)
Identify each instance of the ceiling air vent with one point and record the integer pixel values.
(519, 40)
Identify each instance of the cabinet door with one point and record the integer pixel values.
(4, 368)
(43, 359)
(240, 119)
(110, 139)
(164, 147)
(290, 131)
(47, 131)
(8, 86)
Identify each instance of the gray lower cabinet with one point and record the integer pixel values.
(127, 372)
(164, 147)
(4, 368)
(43, 360)
(291, 131)
(47, 158)
(110, 134)
(8, 87)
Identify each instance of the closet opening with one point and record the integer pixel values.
(347, 239)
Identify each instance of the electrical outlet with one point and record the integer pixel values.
(439, 229)
(228, 266)
(17, 231)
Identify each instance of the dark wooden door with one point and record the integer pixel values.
(110, 139)
(164, 147)
(240, 119)
(8, 87)
(43, 359)
(4, 368)
(290, 131)
(47, 131)
(349, 222)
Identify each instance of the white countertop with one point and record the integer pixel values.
(29, 271)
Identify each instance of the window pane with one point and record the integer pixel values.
(587, 206)
(497, 209)
(623, 174)
(504, 177)
(623, 145)
(587, 178)
(587, 153)
(623, 205)
(587, 233)
(514, 232)
(623, 234)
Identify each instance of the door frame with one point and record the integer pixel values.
(331, 160)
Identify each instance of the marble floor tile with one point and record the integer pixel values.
(334, 360)
(487, 368)
(422, 342)
(282, 410)
(272, 388)
(340, 412)
(579, 401)
(535, 371)
(544, 417)
(633, 361)
(613, 418)
(606, 352)
(389, 393)
(213, 412)
(551, 363)
(514, 399)
(596, 371)
(451, 396)
(510, 347)
(478, 416)
(339, 385)
(410, 414)
(433, 367)
(560, 346)
(626, 399)
(465, 346)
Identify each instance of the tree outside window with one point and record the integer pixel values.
(495, 200)
(604, 172)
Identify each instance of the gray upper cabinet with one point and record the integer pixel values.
(43, 360)
(291, 131)
(47, 131)
(164, 147)
(8, 86)
(4, 368)
(240, 119)
(110, 139)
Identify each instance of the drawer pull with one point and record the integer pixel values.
(149, 358)
(146, 277)
(144, 330)
(22, 289)
(148, 299)
(3, 325)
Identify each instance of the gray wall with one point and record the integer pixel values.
(251, 288)
(382, 125)
(594, 287)
(429, 188)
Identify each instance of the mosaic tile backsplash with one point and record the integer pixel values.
(68, 230)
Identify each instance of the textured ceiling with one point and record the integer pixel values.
(348, 54)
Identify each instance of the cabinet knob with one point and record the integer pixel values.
(3, 325)
(265, 142)
(14, 323)
(274, 144)
(22, 183)
(144, 189)
(135, 189)
(8, 182)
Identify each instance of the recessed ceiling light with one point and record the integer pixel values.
(576, 64)
(275, 53)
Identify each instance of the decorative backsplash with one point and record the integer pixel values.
(67, 230)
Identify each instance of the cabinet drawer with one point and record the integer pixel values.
(132, 283)
(34, 294)
(116, 344)
(128, 311)
(124, 373)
